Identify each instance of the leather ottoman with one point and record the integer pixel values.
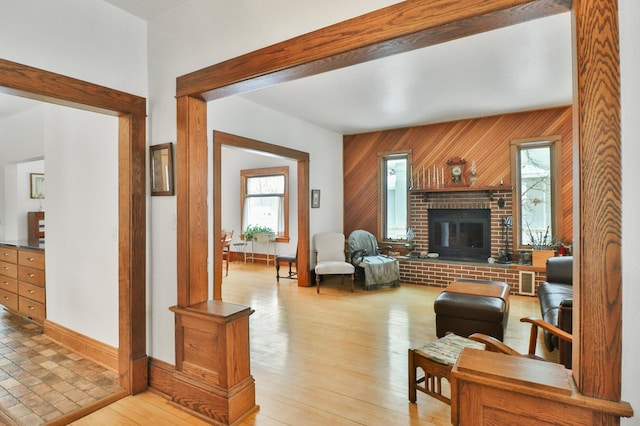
(473, 306)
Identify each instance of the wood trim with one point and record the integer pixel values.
(597, 314)
(46, 86)
(597, 364)
(227, 139)
(34, 83)
(88, 409)
(399, 28)
(103, 354)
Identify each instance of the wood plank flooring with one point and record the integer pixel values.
(336, 358)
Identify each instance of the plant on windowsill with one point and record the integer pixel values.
(544, 246)
(252, 231)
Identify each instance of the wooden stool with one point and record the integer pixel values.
(436, 359)
(289, 258)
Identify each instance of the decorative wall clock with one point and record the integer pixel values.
(456, 171)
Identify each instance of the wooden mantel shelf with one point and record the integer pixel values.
(490, 189)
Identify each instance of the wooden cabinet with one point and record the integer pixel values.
(22, 281)
(490, 388)
(35, 226)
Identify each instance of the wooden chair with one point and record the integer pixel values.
(494, 345)
(225, 241)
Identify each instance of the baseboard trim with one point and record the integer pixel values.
(101, 353)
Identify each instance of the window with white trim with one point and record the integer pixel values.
(394, 187)
(535, 180)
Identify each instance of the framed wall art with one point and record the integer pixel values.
(37, 185)
(315, 198)
(161, 158)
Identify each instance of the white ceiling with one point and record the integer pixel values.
(518, 68)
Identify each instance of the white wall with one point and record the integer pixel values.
(201, 33)
(96, 42)
(82, 222)
(629, 12)
(86, 39)
(24, 202)
(21, 140)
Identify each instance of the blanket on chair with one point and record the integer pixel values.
(380, 271)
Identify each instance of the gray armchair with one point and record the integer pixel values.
(379, 270)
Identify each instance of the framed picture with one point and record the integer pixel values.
(37, 185)
(161, 157)
(315, 198)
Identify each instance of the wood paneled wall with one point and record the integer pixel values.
(483, 140)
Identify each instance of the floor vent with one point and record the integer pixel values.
(527, 282)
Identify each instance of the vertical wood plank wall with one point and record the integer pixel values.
(483, 140)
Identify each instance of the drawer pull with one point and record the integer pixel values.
(31, 308)
(30, 259)
(5, 283)
(5, 297)
(31, 291)
(31, 275)
(5, 268)
(5, 254)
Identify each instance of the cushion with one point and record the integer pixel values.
(335, 267)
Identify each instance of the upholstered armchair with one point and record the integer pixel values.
(379, 271)
(330, 257)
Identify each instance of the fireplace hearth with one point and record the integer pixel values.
(460, 234)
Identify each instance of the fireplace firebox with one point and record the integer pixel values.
(460, 234)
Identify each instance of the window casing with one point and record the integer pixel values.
(394, 177)
(535, 203)
(264, 199)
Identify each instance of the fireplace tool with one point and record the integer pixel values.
(503, 255)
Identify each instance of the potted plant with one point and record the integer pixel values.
(544, 247)
(258, 233)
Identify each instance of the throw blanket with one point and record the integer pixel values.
(379, 271)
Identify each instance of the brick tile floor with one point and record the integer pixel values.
(40, 380)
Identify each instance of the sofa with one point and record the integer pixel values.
(556, 302)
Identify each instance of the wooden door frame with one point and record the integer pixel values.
(21, 80)
(221, 139)
(414, 24)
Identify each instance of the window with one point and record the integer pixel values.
(394, 187)
(265, 199)
(535, 190)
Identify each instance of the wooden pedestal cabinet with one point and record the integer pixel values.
(213, 372)
(22, 281)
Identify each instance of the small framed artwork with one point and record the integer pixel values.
(37, 185)
(315, 198)
(161, 157)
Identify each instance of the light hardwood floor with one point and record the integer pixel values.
(336, 358)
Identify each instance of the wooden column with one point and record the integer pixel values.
(191, 167)
(597, 353)
(132, 358)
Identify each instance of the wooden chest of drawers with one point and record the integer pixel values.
(22, 281)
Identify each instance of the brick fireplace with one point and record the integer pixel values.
(437, 272)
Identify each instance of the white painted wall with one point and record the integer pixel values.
(86, 39)
(93, 41)
(21, 140)
(82, 222)
(201, 33)
(629, 11)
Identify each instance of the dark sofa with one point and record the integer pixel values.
(556, 302)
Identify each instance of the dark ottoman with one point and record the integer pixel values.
(473, 306)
